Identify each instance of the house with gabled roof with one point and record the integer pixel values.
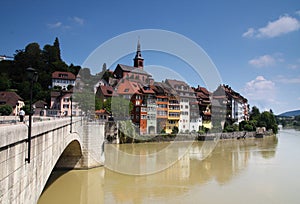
(63, 79)
(189, 112)
(13, 100)
(236, 104)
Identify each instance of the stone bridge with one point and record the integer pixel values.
(54, 144)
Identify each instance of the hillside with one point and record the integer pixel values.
(290, 113)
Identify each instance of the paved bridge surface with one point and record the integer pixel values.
(54, 144)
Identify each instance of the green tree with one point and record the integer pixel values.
(255, 114)
(4, 82)
(5, 110)
(248, 127)
(85, 100)
(175, 130)
(98, 103)
(56, 45)
(121, 107)
(104, 69)
(107, 105)
(268, 120)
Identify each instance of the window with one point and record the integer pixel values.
(173, 115)
(162, 113)
(162, 105)
(172, 122)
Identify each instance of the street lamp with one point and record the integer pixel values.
(71, 113)
(32, 76)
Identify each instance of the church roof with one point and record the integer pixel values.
(127, 68)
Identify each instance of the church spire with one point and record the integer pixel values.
(138, 59)
(138, 46)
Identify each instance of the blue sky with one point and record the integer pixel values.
(255, 45)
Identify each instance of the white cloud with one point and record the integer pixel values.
(260, 92)
(78, 20)
(55, 25)
(61, 25)
(286, 80)
(283, 25)
(293, 66)
(263, 61)
(250, 32)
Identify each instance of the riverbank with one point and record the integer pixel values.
(192, 137)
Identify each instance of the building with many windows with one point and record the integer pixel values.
(237, 109)
(63, 79)
(167, 106)
(13, 100)
(60, 104)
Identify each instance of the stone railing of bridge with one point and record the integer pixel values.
(52, 145)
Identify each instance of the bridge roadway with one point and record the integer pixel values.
(52, 146)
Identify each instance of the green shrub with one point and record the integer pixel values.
(5, 110)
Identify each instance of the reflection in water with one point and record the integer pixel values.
(234, 166)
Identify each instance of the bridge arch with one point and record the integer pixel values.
(71, 157)
(52, 146)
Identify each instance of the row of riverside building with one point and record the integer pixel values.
(170, 105)
(156, 107)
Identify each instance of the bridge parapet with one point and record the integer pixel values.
(22, 182)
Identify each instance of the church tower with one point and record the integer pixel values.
(138, 60)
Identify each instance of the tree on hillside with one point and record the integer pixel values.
(74, 69)
(4, 82)
(56, 45)
(104, 68)
(46, 61)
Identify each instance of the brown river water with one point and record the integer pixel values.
(250, 171)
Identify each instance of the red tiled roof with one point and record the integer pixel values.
(128, 87)
(101, 111)
(40, 104)
(63, 75)
(202, 95)
(107, 90)
(207, 113)
(9, 98)
(146, 90)
(126, 68)
(174, 82)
